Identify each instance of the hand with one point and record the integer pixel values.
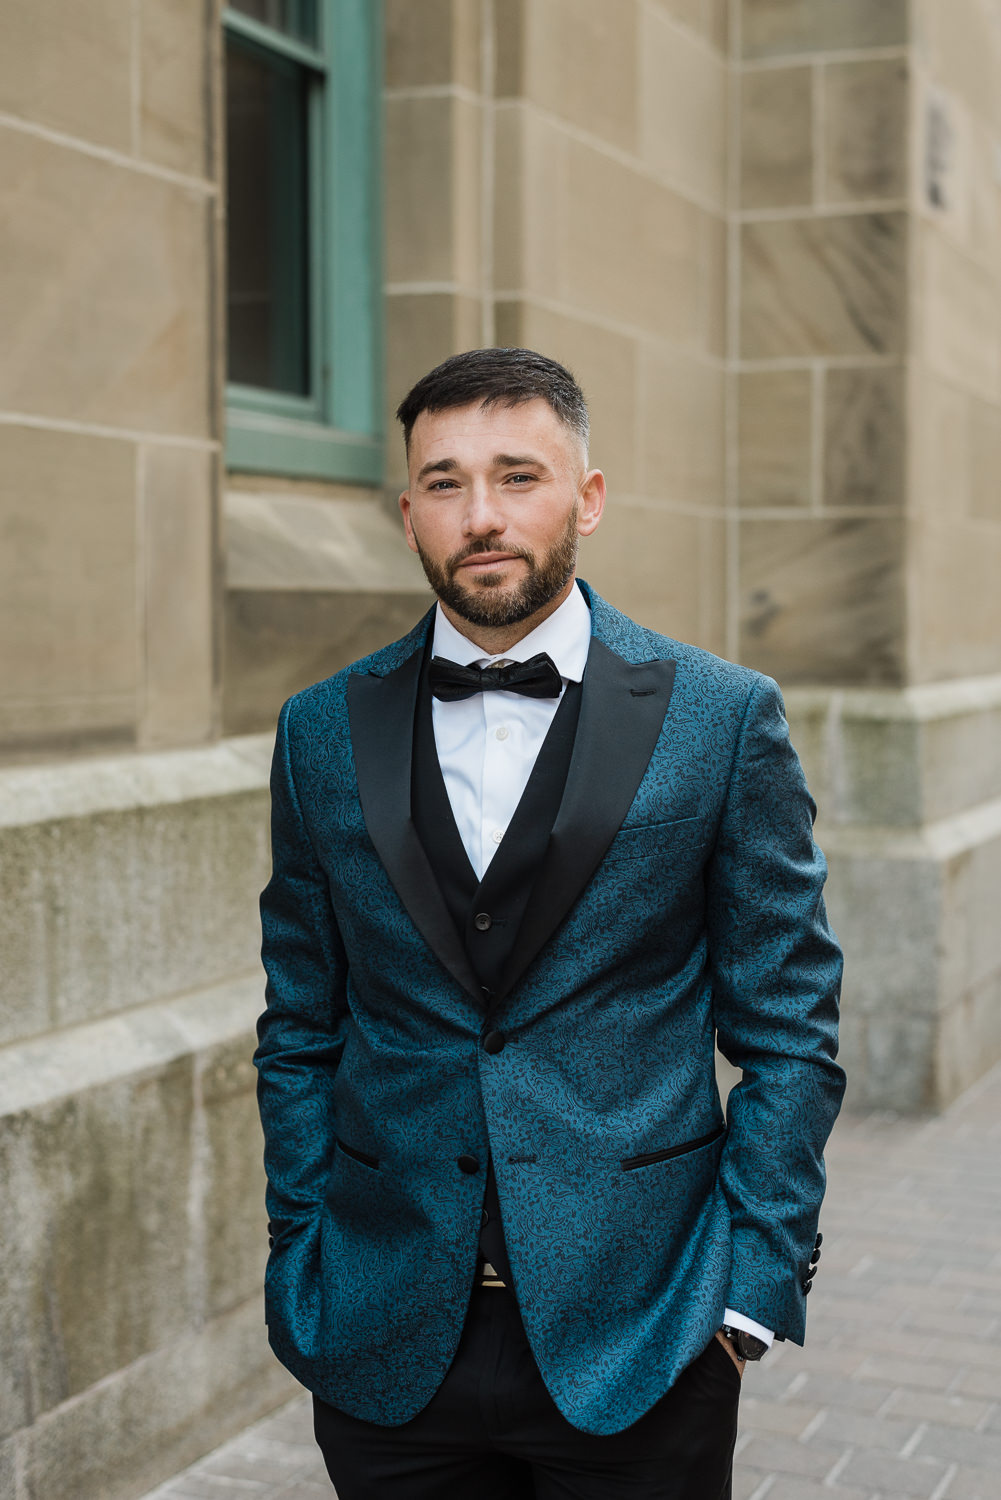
(740, 1363)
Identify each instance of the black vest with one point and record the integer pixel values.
(488, 913)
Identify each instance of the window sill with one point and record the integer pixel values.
(266, 444)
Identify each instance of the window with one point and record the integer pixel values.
(302, 262)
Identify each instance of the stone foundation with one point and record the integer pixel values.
(909, 786)
(133, 1236)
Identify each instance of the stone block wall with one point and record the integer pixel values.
(955, 540)
(821, 338)
(557, 176)
(109, 410)
(867, 353)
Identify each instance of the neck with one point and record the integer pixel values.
(494, 640)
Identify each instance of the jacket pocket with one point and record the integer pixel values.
(648, 1158)
(648, 840)
(356, 1155)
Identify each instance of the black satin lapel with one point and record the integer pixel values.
(621, 716)
(381, 714)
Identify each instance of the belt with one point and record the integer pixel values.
(487, 1276)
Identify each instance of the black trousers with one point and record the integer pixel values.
(492, 1432)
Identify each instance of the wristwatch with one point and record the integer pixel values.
(747, 1346)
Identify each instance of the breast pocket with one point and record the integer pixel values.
(647, 840)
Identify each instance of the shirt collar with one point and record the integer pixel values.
(565, 635)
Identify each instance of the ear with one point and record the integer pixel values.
(408, 529)
(590, 501)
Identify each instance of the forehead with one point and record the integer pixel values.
(468, 432)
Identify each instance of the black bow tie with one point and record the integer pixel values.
(537, 678)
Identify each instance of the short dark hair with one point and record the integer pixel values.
(497, 377)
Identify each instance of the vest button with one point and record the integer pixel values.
(494, 1041)
(468, 1164)
(483, 921)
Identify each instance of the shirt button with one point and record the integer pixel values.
(497, 835)
(482, 921)
(502, 733)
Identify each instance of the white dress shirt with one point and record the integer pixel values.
(487, 746)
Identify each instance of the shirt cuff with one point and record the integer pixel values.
(748, 1325)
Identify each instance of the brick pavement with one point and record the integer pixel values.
(898, 1391)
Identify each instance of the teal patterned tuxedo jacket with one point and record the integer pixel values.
(679, 901)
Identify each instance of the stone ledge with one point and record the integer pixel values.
(129, 878)
(47, 1068)
(900, 758)
(122, 783)
(941, 841)
(280, 540)
(921, 704)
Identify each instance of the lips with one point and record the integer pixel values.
(489, 560)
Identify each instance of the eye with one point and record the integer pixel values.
(442, 484)
(520, 478)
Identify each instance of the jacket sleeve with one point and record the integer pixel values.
(776, 972)
(301, 1033)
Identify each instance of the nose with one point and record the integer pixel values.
(483, 517)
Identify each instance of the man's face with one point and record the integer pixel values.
(498, 497)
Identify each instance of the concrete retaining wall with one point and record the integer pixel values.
(132, 1228)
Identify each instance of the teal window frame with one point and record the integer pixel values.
(336, 431)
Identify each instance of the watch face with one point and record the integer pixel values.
(749, 1347)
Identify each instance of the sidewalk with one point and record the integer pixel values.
(898, 1391)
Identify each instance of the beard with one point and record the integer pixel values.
(494, 604)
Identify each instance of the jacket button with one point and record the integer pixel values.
(468, 1164)
(483, 921)
(494, 1041)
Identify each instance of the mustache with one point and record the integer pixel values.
(487, 544)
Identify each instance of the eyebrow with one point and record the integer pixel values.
(440, 465)
(500, 461)
(517, 461)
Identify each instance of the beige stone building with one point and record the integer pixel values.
(766, 235)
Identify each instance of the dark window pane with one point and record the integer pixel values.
(267, 221)
(295, 17)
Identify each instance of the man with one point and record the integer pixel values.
(529, 862)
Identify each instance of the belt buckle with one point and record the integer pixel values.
(488, 1276)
